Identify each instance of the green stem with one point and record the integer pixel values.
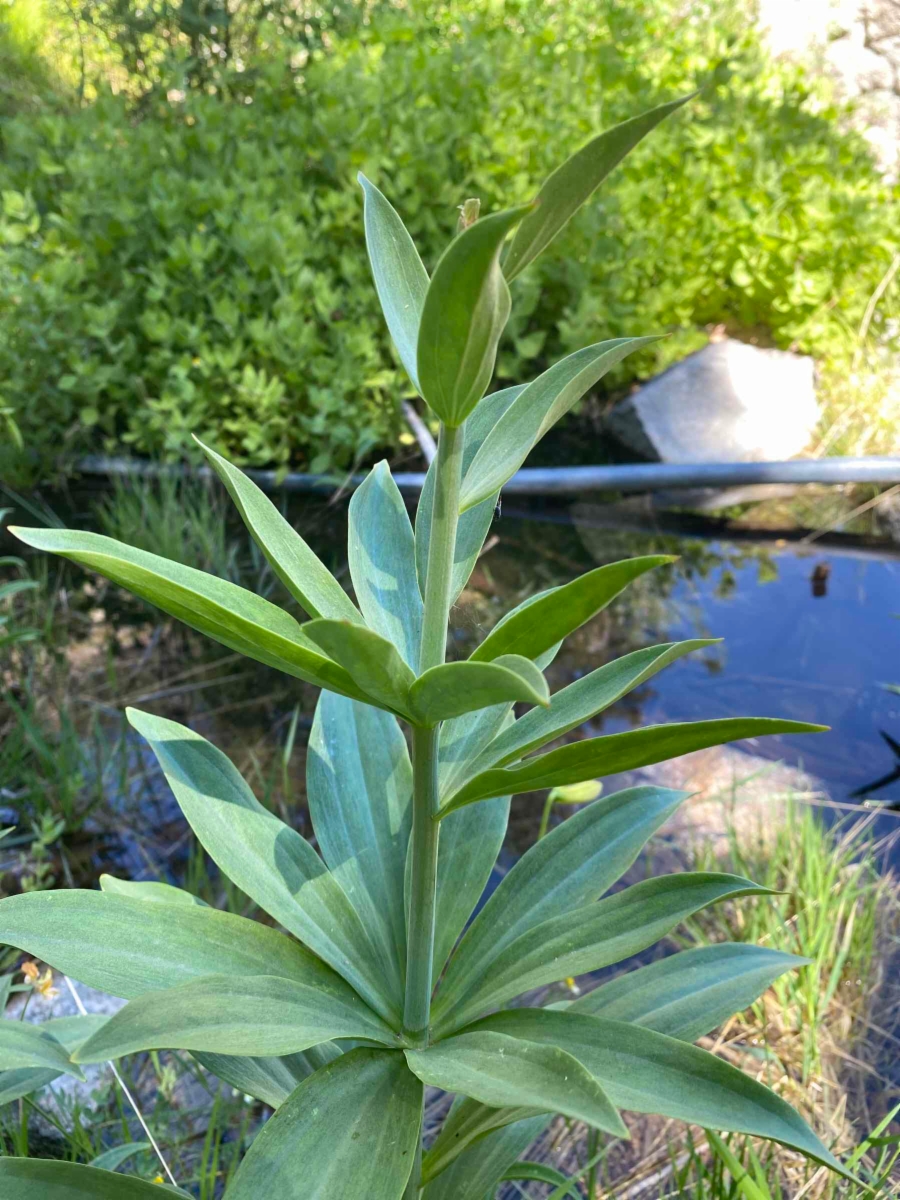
(425, 742)
(441, 547)
(423, 877)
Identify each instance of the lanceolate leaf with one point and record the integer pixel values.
(349, 1130)
(570, 185)
(267, 859)
(500, 1070)
(459, 687)
(725, 978)
(618, 752)
(21, 1178)
(151, 890)
(255, 1015)
(24, 1046)
(300, 570)
(382, 554)
(541, 624)
(466, 308)
(127, 947)
(227, 613)
(480, 1166)
(373, 662)
(536, 410)
(588, 938)
(689, 994)
(474, 524)
(644, 1071)
(271, 1080)
(570, 867)
(575, 704)
(359, 789)
(400, 279)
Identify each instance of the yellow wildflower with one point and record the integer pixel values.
(40, 983)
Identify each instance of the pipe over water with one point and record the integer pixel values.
(626, 477)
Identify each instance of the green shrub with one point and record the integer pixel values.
(199, 270)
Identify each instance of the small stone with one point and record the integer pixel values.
(729, 402)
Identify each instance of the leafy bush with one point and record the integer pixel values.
(199, 269)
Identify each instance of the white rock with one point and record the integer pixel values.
(729, 402)
(66, 1089)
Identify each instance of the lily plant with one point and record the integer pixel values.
(375, 980)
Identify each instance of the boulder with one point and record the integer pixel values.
(729, 402)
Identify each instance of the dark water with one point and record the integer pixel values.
(811, 632)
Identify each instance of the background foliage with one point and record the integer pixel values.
(180, 235)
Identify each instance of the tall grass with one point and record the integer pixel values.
(183, 519)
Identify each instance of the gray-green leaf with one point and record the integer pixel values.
(571, 184)
(70, 1032)
(586, 939)
(535, 410)
(127, 947)
(550, 618)
(359, 790)
(257, 1015)
(689, 994)
(375, 665)
(149, 889)
(111, 1160)
(267, 859)
(480, 1166)
(473, 525)
(298, 567)
(466, 308)
(645, 1071)
(618, 752)
(24, 1046)
(29, 1178)
(349, 1130)
(500, 1071)
(470, 841)
(400, 279)
(271, 1080)
(382, 554)
(229, 614)
(573, 865)
(575, 704)
(454, 688)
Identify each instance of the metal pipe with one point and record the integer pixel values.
(627, 477)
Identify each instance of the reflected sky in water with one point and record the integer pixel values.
(810, 633)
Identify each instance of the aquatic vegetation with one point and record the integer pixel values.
(380, 983)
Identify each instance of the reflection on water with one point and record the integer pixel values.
(810, 633)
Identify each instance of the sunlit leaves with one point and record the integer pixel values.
(571, 184)
(400, 279)
(229, 614)
(534, 411)
(618, 752)
(550, 618)
(300, 570)
(465, 310)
